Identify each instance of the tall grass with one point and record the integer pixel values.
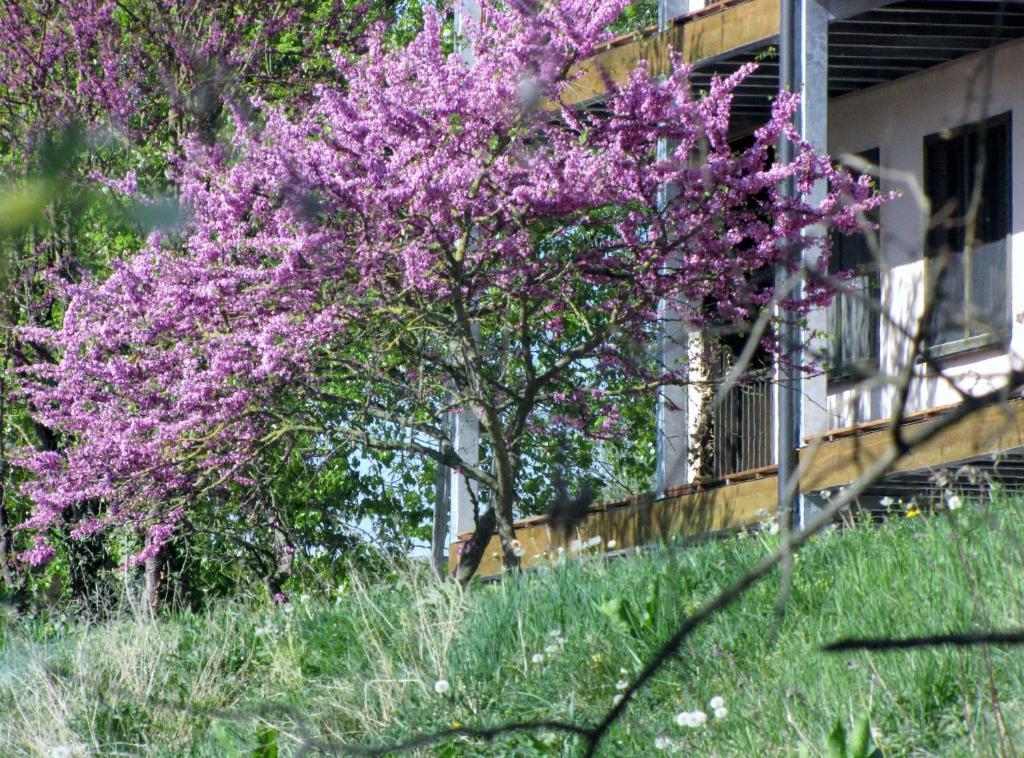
(362, 665)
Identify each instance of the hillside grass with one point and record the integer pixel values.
(361, 666)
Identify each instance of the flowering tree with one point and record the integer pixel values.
(427, 237)
(98, 96)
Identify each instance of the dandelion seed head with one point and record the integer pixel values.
(721, 712)
(441, 686)
(717, 702)
(691, 719)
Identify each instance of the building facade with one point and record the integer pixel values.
(928, 95)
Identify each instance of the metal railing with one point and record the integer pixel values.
(741, 426)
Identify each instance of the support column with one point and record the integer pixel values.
(672, 433)
(803, 59)
(463, 491)
(466, 10)
(813, 119)
(670, 9)
(673, 428)
(465, 428)
(813, 122)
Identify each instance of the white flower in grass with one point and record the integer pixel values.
(611, 544)
(721, 712)
(441, 686)
(662, 742)
(717, 702)
(538, 658)
(517, 549)
(553, 648)
(616, 699)
(575, 546)
(773, 527)
(691, 719)
(622, 684)
(593, 542)
(886, 501)
(953, 502)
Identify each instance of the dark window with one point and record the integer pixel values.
(854, 314)
(967, 177)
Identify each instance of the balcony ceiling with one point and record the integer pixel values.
(876, 47)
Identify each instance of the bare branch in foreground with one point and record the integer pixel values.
(962, 639)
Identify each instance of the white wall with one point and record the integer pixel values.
(895, 118)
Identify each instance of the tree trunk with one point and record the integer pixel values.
(507, 531)
(154, 582)
(473, 551)
(442, 510)
(282, 568)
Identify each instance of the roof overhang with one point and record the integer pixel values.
(870, 43)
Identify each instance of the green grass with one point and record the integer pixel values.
(361, 666)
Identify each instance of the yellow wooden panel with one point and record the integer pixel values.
(734, 27)
(834, 463)
(715, 33)
(617, 63)
(989, 430)
(646, 522)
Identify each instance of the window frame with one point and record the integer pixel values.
(851, 369)
(1000, 335)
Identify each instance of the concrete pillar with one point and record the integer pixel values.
(467, 444)
(813, 122)
(464, 424)
(670, 9)
(672, 433)
(812, 81)
(673, 427)
(466, 10)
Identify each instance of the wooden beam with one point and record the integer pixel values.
(836, 463)
(832, 462)
(720, 29)
(734, 27)
(587, 83)
(645, 521)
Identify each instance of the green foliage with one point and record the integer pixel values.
(629, 617)
(856, 744)
(640, 15)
